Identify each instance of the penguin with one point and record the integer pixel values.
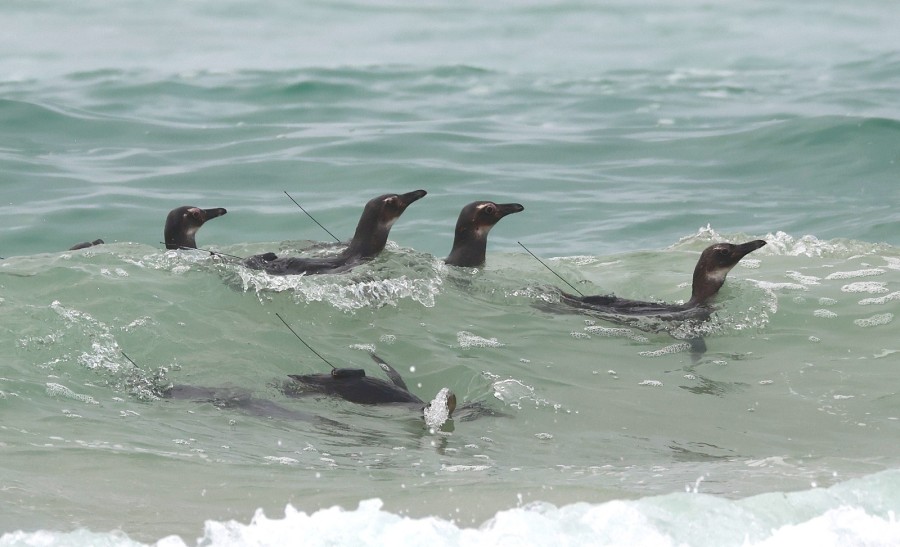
(709, 275)
(86, 244)
(475, 222)
(353, 385)
(182, 224)
(371, 235)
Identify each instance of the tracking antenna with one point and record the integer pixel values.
(551, 270)
(125, 355)
(186, 248)
(278, 315)
(335, 372)
(312, 218)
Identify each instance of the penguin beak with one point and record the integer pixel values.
(509, 208)
(740, 251)
(410, 197)
(213, 213)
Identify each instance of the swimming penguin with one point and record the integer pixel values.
(182, 224)
(86, 244)
(709, 275)
(237, 399)
(353, 385)
(371, 235)
(475, 221)
(350, 383)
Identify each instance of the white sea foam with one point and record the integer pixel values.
(350, 293)
(468, 340)
(783, 244)
(875, 320)
(59, 390)
(872, 287)
(651, 383)
(616, 332)
(853, 514)
(854, 274)
(803, 279)
(673, 348)
(283, 460)
(368, 348)
(775, 286)
(881, 299)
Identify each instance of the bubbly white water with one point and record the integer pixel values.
(840, 516)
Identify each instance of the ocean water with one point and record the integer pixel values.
(634, 133)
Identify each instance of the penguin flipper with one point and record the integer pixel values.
(389, 370)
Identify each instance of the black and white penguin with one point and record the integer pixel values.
(371, 235)
(353, 385)
(475, 222)
(182, 225)
(709, 275)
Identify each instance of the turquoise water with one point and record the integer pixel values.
(635, 134)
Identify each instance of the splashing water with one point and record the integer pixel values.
(438, 411)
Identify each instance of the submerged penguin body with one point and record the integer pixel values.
(353, 385)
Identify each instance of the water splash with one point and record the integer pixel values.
(59, 390)
(668, 350)
(438, 411)
(350, 294)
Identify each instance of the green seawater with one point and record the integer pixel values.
(634, 136)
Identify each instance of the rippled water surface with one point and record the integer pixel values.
(635, 135)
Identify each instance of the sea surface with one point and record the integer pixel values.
(635, 134)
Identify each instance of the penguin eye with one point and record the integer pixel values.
(723, 252)
(489, 209)
(391, 201)
(196, 214)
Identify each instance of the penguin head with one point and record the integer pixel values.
(183, 222)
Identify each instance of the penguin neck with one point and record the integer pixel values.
(369, 239)
(705, 285)
(181, 240)
(469, 249)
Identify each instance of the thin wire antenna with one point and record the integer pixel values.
(125, 355)
(311, 217)
(551, 270)
(278, 315)
(186, 248)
